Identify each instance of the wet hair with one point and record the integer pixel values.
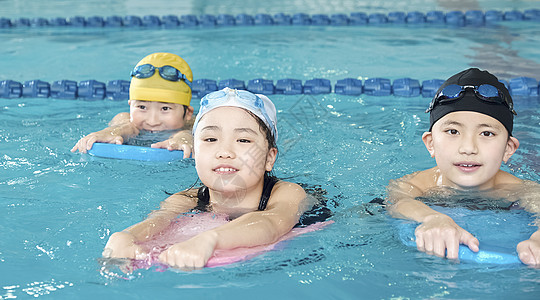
(269, 138)
(265, 130)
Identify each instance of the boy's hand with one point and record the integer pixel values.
(114, 134)
(103, 136)
(191, 254)
(172, 145)
(529, 250)
(439, 235)
(122, 245)
(182, 140)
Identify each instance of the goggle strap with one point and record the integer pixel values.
(502, 99)
(136, 72)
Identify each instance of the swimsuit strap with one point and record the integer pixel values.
(203, 196)
(203, 199)
(268, 185)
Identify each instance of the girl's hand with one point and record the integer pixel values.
(529, 250)
(122, 245)
(439, 235)
(191, 254)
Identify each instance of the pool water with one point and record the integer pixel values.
(59, 208)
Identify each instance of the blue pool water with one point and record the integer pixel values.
(58, 208)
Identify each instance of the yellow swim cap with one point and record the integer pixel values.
(155, 88)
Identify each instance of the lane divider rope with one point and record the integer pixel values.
(118, 90)
(452, 18)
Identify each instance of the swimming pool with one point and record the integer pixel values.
(59, 208)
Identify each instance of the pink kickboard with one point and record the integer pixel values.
(190, 225)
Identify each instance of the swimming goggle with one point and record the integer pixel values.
(253, 102)
(484, 92)
(166, 72)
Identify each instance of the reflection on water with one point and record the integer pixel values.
(147, 138)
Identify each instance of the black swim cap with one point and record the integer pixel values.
(470, 102)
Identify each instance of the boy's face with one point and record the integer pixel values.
(469, 148)
(158, 116)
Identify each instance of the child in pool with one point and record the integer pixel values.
(471, 122)
(160, 95)
(235, 136)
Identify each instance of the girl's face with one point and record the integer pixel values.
(231, 153)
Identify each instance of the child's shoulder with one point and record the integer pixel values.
(287, 192)
(503, 177)
(187, 197)
(424, 180)
(120, 118)
(287, 187)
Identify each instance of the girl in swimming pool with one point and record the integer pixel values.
(235, 137)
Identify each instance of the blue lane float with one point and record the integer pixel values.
(498, 231)
(118, 90)
(134, 152)
(435, 17)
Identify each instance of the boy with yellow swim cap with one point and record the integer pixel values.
(160, 95)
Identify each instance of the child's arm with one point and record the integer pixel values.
(251, 229)
(182, 140)
(529, 250)
(120, 129)
(437, 234)
(124, 243)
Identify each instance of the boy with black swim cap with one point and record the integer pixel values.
(470, 135)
